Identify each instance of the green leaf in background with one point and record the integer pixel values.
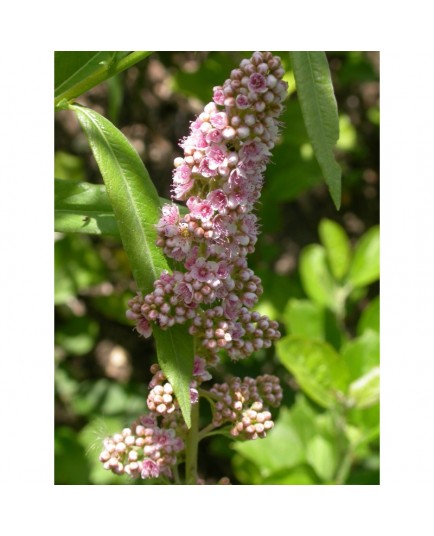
(69, 166)
(301, 475)
(365, 267)
(312, 321)
(319, 370)
(77, 267)
(305, 318)
(365, 391)
(318, 104)
(301, 449)
(362, 354)
(81, 207)
(322, 456)
(77, 335)
(337, 245)
(315, 276)
(281, 449)
(136, 206)
(70, 464)
(370, 317)
(77, 72)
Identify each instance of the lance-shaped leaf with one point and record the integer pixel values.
(319, 108)
(77, 72)
(82, 207)
(136, 206)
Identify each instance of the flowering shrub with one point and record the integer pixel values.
(220, 177)
(203, 298)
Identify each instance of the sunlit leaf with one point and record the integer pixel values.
(282, 448)
(365, 267)
(315, 276)
(365, 391)
(322, 456)
(305, 318)
(136, 207)
(362, 354)
(319, 370)
(337, 245)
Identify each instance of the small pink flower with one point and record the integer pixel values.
(216, 156)
(219, 96)
(254, 151)
(214, 136)
(257, 83)
(205, 170)
(222, 270)
(194, 395)
(185, 292)
(219, 120)
(199, 370)
(143, 328)
(242, 102)
(150, 469)
(218, 199)
(201, 270)
(200, 209)
(169, 218)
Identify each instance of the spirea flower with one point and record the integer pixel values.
(212, 290)
(220, 177)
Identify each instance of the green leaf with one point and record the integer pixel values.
(175, 353)
(81, 207)
(337, 245)
(77, 335)
(319, 108)
(365, 391)
(281, 449)
(362, 354)
(301, 475)
(71, 463)
(315, 276)
(319, 370)
(365, 268)
(77, 267)
(370, 317)
(77, 72)
(136, 206)
(305, 318)
(70, 68)
(322, 456)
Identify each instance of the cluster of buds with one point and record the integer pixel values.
(144, 450)
(220, 177)
(245, 405)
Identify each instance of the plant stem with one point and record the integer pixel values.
(101, 74)
(191, 446)
(205, 431)
(176, 475)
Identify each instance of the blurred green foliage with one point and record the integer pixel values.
(320, 272)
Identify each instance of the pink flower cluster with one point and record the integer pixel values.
(244, 404)
(220, 178)
(145, 450)
(150, 447)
